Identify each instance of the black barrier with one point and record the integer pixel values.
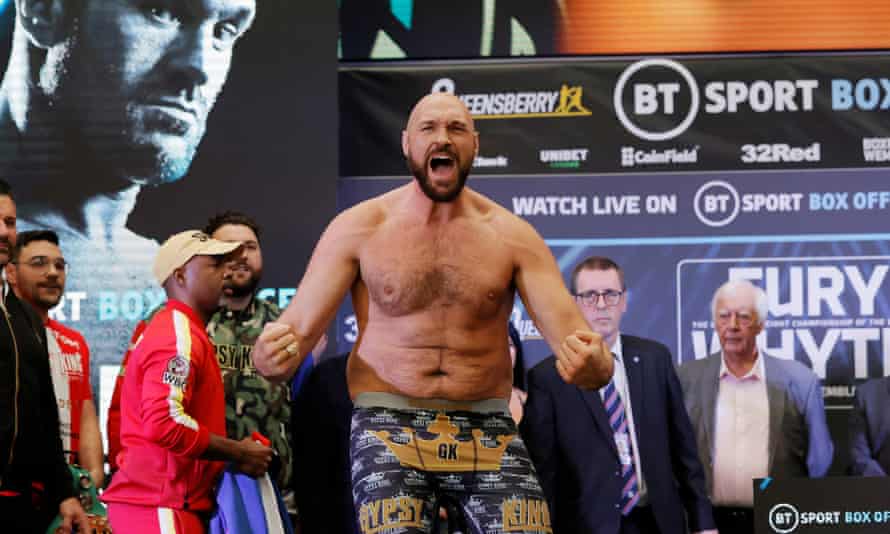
(845, 505)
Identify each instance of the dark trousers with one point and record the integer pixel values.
(732, 520)
(640, 520)
(20, 516)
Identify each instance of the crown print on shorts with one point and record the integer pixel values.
(445, 452)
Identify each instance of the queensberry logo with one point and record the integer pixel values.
(567, 101)
(659, 99)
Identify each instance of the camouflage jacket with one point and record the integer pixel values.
(252, 402)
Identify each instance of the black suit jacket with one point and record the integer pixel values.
(870, 429)
(321, 417)
(573, 447)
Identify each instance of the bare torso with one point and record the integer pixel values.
(438, 296)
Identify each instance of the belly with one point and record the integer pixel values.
(430, 373)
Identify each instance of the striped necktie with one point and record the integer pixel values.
(630, 492)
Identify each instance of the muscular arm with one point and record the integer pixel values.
(91, 443)
(550, 305)
(332, 270)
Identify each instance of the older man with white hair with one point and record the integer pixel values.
(754, 415)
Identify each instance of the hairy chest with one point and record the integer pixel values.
(466, 268)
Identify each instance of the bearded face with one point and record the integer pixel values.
(441, 174)
(243, 275)
(440, 144)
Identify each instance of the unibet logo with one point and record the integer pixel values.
(570, 158)
(566, 102)
(659, 99)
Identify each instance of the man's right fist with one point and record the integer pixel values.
(254, 459)
(276, 353)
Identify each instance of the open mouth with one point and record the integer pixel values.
(441, 163)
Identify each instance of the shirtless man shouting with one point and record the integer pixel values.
(433, 267)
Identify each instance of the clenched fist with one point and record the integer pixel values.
(254, 458)
(584, 360)
(276, 353)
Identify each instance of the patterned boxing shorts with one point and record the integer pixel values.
(410, 456)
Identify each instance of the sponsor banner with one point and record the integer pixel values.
(821, 505)
(741, 206)
(683, 114)
(688, 172)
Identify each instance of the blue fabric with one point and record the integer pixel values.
(303, 372)
(239, 506)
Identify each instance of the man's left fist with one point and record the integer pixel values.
(584, 360)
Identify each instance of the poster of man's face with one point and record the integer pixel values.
(137, 80)
(125, 121)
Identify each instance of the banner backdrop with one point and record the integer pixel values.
(688, 172)
(136, 121)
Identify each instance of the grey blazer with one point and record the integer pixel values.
(799, 443)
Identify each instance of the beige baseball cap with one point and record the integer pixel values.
(179, 248)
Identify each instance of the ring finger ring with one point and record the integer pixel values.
(291, 349)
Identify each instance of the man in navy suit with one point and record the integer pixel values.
(870, 429)
(621, 459)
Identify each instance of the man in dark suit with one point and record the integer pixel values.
(754, 416)
(870, 429)
(621, 459)
(321, 415)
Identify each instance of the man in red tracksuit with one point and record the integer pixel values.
(172, 403)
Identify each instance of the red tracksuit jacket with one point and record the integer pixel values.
(172, 400)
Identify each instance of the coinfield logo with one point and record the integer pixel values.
(659, 99)
(567, 101)
(631, 156)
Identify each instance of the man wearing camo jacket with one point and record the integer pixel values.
(252, 402)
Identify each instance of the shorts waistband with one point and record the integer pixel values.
(401, 402)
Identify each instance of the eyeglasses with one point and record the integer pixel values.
(42, 263)
(590, 298)
(744, 318)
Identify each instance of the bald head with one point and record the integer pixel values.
(440, 102)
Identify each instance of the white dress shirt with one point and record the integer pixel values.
(741, 442)
(620, 378)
